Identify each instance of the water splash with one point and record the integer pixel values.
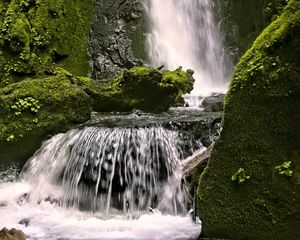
(184, 33)
(98, 183)
(102, 169)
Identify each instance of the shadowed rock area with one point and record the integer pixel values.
(250, 189)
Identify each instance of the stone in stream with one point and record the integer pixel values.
(213, 103)
(25, 222)
(12, 234)
(3, 204)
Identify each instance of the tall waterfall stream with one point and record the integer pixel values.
(185, 33)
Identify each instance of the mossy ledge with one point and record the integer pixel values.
(261, 135)
(32, 109)
(143, 88)
(36, 36)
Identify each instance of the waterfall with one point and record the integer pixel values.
(107, 169)
(184, 33)
(101, 183)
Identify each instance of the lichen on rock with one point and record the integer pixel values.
(261, 131)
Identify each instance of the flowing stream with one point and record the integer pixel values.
(185, 33)
(101, 183)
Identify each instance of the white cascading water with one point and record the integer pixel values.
(99, 183)
(184, 33)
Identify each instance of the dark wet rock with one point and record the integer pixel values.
(25, 222)
(213, 103)
(3, 204)
(116, 39)
(193, 126)
(22, 199)
(242, 23)
(12, 234)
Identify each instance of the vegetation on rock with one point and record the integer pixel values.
(261, 131)
(37, 35)
(143, 88)
(32, 109)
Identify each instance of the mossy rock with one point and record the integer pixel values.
(250, 188)
(36, 35)
(143, 88)
(33, 109)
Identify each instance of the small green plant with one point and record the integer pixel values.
(240, 176)
(284, 169)
(10, 138)
(26, 104)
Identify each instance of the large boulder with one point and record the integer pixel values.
(250, 188)
(30, 110)
(143, 88)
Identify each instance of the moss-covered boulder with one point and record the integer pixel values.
(30, 110)
(143, 88)
(251, 187)
(37, 34)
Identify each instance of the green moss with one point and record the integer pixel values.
(35, 35)
(34, 108)
(240, 176)
(143, 88)
(261, 131)
(284, 169)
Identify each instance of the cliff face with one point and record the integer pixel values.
(116, 37)
(242, 21)
(250, 189)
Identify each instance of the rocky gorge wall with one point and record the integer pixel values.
(242, 21)
(116, 39)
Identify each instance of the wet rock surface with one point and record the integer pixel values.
(116, 39)
(213, 103)
(197, 129)
(12, 234)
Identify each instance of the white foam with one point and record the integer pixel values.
(49, 222)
